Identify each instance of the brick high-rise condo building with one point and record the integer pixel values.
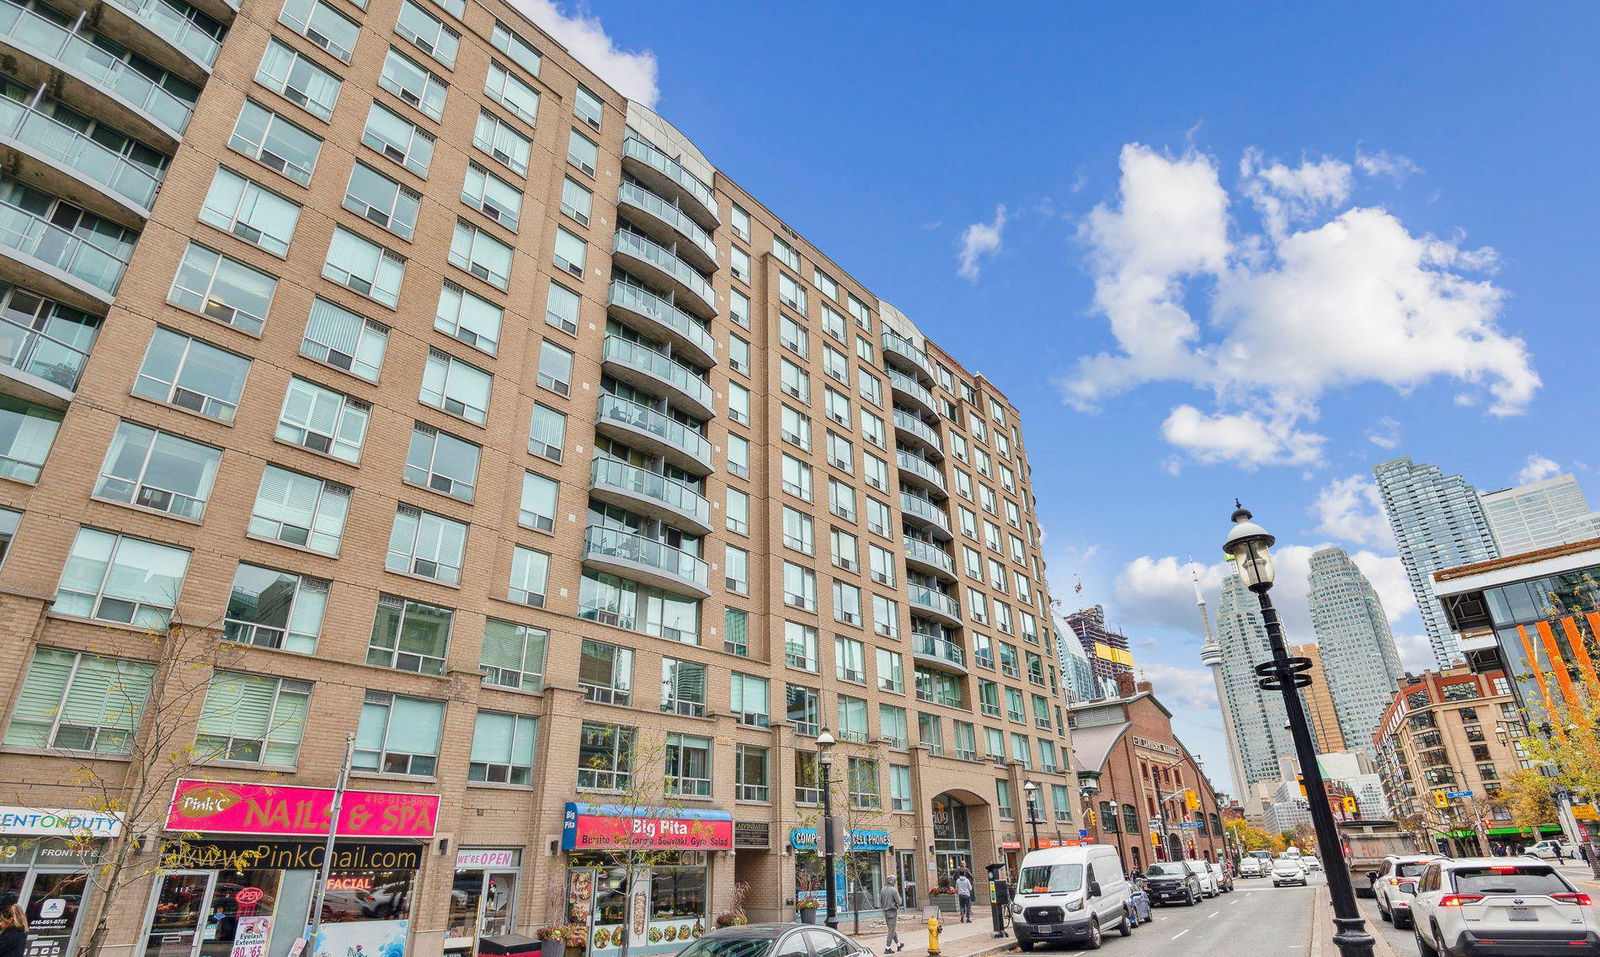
(375, 368)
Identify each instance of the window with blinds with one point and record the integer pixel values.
(298, 509)
(398, 735)
(364, 267)
(125, 580)
(158, 470)
(441, 462)
(547, 432)
(456, 387)
(345, 340)
(605, 672)
(80, 702)
(409, 635)
(529, 572)
(426, 545)
(683, 687)
(469, 318)
(503, 748)
(275, 609)
(513, 655)
(253, 718)
(323, 420)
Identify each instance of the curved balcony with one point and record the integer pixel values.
(913, 428)
(61, 263)
(666, 223)
(912, 391)
(940, 653)
(654, 262)
(649, 493)
(667, 176)
(928, 557)
(903, 353)
(924, 514)
(193, 50)
(646, 560)
(654, 432)
(655, 372)
(65, 161)
(630, 303)
(93, 79)
(932, 603)
(922, 472)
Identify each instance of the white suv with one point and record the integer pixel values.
(1501, 905)
(1396, 871)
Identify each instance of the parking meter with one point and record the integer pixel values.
(999, 898)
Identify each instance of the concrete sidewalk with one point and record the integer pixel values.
(1321, 944)
(955, 939)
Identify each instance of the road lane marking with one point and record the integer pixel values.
(1213, 914)
(1181, 933)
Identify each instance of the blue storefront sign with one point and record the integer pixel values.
(856, 839)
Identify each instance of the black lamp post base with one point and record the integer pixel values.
(1352, 938)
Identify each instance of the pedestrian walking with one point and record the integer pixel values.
(889, 900)
(964, 896)
(13, 931)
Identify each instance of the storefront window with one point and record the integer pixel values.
(670, 897)
(48, 877)
(483, 898)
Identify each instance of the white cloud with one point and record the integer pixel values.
(1416, 653)
(1178, 686)
(1385, 434)
(1287, 316)
(633, 74)
(1537, 469)
(1241, 438)
(1350, 509)
(979, 241)
(1385, 163)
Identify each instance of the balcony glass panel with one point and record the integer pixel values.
(930, 598)
(941, 648)
(633, 244)
(196, 35)
(620, 475)
(647, 303)
(636, 195)
(615, 543)
(638, 149)
(50, 137)
(660, 366)
(930, 554)
(33, 236)
(657, 424)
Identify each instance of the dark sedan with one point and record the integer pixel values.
(775, 940)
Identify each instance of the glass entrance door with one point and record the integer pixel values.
(182, 901)
(499, 903)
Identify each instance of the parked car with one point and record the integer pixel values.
(1070, 895)
(1139, 908)
(1496, 905)
(1173, 882)
(1393, 904)
(1223, 877)
(1250, 867)
(1288, 870)
(1546, 850)
(1208, 880)
(759, 940)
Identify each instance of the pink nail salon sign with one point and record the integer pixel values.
(222, 807)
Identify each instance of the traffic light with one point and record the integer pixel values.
(1441, 799)
(1155, 839)
(1349, 804)
(1300, 779)
(1091, 819)
(1191, 800)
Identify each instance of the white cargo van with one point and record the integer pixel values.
(1070, 894)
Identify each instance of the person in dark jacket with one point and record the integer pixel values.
(13, 931)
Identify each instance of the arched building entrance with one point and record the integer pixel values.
(963, 836)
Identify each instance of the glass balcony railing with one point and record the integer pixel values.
(635, 148)
(661, 367)
(633, 244)
(902, 383)
(50, 244)
(615, 474)
(920, 468)
(636, 195)
(37, 351)
(639, 550)
(169, 23)
(929, 554)
(924, 597)
(49, 137)
(924, 509)
(910, 423)
(941, 648)
(647, 303)
(76, 55)
(642, 417)
(899, 345)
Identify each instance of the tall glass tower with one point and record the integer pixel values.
(1357, 647)
(1258, 717)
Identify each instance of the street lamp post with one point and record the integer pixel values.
(1248, 547)
(1032, 792)
(825, 759)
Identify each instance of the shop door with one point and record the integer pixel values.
(499, 903)
(55, 901)
(11, 886)
(907, 861)
(182, 902)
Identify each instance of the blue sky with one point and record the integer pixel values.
(1303, 239)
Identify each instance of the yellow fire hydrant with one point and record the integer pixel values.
(933, 936)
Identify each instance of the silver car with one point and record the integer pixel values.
(1497, 905)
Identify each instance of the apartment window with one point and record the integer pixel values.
(1002, 791)
(799, 646)
(511, 43)
(982, 650)
(794, 381)
(398, 734)
(252, 718)
(683, 687)
(751, 772)
(739, 263)
(509, 91)
(748, 700)
(276, 143)
(481, 254)
(796, 478)
(381, 200)
(80, 702)
(1061, 803)
(846, 603)
(875, 471)
(882, 566)
(300, 80)
(555, 368)
(852, 719)
(892, 726)
(442, 462)
(739, 456)
(885, 617)
(398, 139)
(275, 609)
(785, 253)
(1047, 756)
(469, 318)
(803, 709)
(891, 675)
(345, 340)
(736, 570)
(530, 571)
(736, 632)
(994, 744)
(571, 252)
(605, 673)
(158, 470)
(958, 446)
(963, 484)
(1021, 752)
(501, 140)
(503, 748)
(966, 741)
(1008, 659)
(576, 201)
(849, 660)
(605, 757)
(538, 507)
(738, 403)
(872, 428)
(938, 687)
(1014, 706)
(739, 307)
(739, 355)
(844, 549)
(413, 83)
(978, 608)
(799, 587)
(409, 635)
(791, 293)
(871, 387)
(299, 509)
(364, 267)
(796, 428)
(842, 500)
(687, 763)
(737, 511)
(989, 698)
(323, 25)
(456, 387)
(833, 323)
(899, 788)
(588, 107)
(863, 350)
(429, 33)
(841, 454)
(323, 420)
(862, 783)
(246, 209)
(120, 579)
(582, 152)
(223, 289)
(807, 778)
(879, 521)
(824, 283)
(859, 310)
(798, 531)
(835, 406)
(930, 733)
(561, 308)
(793, 336)
(513, 655)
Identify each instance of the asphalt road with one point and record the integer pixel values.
(1401, 940)
(1256, 918)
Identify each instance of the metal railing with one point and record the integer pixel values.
(900, 382)
(660, 366)
(661, 257)
(941, 648)
(900, 345)
(50, 137)
(647, 303)
(922, 596)
(635, 195)
(50, 244)
(924, 509)
(169, 23)
(910, 423)
(615, 543)
(638, 149)
(930, 554)
(920, 468)
(618, 409)
(628, 478)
